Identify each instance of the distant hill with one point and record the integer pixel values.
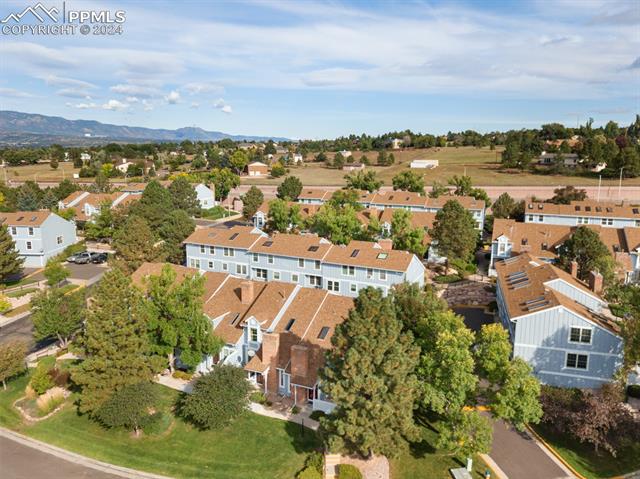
(27, 129)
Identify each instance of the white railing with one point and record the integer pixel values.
(324, 406)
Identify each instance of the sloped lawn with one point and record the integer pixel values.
(253, 447)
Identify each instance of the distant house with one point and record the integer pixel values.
(257, 168)
(206, 196)
(587, 212)
(353, 167)
(396, 144)
(85, 156)
(570, 160)
(39, 235)
(86, 205)
(345, 153)
(424, 164)
(296, 158)
(123, 166)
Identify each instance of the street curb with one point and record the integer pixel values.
(500, 474)
(554, 452)
(77, 458)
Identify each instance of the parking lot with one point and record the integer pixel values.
(85, 274)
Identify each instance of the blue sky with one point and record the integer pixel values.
(307, 69)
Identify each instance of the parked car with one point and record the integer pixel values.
(99, 258)
(80, 258)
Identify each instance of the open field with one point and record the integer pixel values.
(38, 172)
(482, 164)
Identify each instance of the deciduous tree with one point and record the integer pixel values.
(466, 433)
(12, 360)
(363, 180)
(587, 249)
(224, 181)
(129, 407)
(10, 261)
(55, 272)
(57, 315)
(405, 237)
(290, 188)
(409, 181)
(493, 350)
(518, 399)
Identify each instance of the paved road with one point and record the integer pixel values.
(18, 461)
(22, 329)
(520, 457)
(474, 318)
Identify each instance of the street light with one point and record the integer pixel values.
(620, 183)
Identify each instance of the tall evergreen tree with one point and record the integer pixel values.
(454, 231)
(10, 261)
(114, 343)
(251, 201)
(369, 376)
(134, 244)
(173, 231)
(154, 204)
(184, 196)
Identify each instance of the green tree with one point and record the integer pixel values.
(464, 187)
(587, 249)
(505, 207)
(176, 319)
(413, 303)
(454, 231)
(134, 244)
(290, 188)
(48, 200)
(239, 161)
(218, 398)
(12, 360)
(154, 205)
(251, 201)
(404, 236)
(101, 184)
(129, 407)
(363, 180)
(518, 400)
(114, 343)
(224, 181)
(10, 261)
(409, 181)
(64, 189)
(438, 190)
(173, 231)
(278, 216)
(55, 272)
(493, 351)
(278, 170)
(103, 225)
(466, 433)
(344, 197)
(184, 196)
(567, 194)
(29, 195)
(339, 225)
(369, 376)
(57, 315)
(338, 161)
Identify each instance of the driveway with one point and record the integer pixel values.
(22, 330)
(86, 274)
(474, 318)
(520, 457)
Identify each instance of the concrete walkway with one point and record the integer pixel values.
(23, 457)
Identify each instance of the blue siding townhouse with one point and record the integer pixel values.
(588, 212)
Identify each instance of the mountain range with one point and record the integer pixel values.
(27, 129)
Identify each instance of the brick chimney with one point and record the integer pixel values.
(574, 269)
(270, 345)
(386, 244)
(246, 292)
(596, 282)
(299, 360)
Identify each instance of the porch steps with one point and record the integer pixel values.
(331, 462)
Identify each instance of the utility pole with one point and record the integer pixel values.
(620, 184)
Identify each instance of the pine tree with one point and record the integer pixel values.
(134, 244)
(184, 196)
(114, 343)
(369, 376)
(10, 261)
(251, 201)
(454, 231)
(175, 228)
(154, 204)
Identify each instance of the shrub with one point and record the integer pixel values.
(634, 391)
(447, 278)
(218, 398)
(316, 415)
(50, 400)
(258, 397)
(59, 377)
(315, 460)
(5, 305)
(182, 375)
(309, 473)
(129, 407)
(41, 380)
(347, 471)
(295, 410)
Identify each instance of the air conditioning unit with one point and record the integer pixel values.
(251, 353)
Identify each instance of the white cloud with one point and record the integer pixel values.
(74, 93)
(132, 99)
(221, 105)
(195, 88)
(134, 89)
(173, 97)
(115, 105)
(63, 82)
(82, 106)
(13, 93)
(226, 109)
(195, 105)
(147, 105)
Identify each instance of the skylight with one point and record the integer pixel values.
(289, 324)
(382, 255)
(312, 248)
(266, 244)
(323, 332)
(354, 253)
(233, 236)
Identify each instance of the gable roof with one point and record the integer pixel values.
(586, 208)
(369, 255)
(25, 218)
(298, 246)
(242, 237)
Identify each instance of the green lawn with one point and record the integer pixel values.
(217, 212)
(424, 461)
(583, 458)
(253, 447)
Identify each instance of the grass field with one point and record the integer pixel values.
(38, 172)
(482, 164)
(583, 458)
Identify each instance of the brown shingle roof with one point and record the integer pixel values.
(298, 246)
(24, 218)
(236, 237)
(315, 194)
(369, 255)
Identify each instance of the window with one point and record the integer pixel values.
(59, 240)
(229, 252)
(333, 286)
(607, 221)
(315, 281)
(194, 263)
(530, 217)
(241, 269)
(255, 257)
(295, 278)
(29, 245)
(300, 263)
(638, 223)
(202, 248)
(261, 274)
(14, 230)
(276, 275)
(353, 287)
(316, 265)
(369, 273)
(253, 335)
(383, 275)
(502, 247)
(580, 335)
(30, 231)
(540, 218)
(348, 271)
(270, 259)
(212, 250)
(383, 255)
(577, 361)
(583, 221)
(225, 267)
(210, 264)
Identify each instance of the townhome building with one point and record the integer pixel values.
(306, 260)
(407, 200)
(589, 212)
(278, 332)
(87, 205)
(39, 235)
(559, 325)
(543, 241)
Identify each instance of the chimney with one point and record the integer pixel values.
(574, 269)
(386, 244)
(246, 292)
(299, 360)
(270, 345)
(596, 282)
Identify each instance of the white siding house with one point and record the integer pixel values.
(206, 196)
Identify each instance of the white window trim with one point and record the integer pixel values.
(276, 273)
(31, 231)
(301, 263)
(255, 257)
(270, 259)
(576, 368)
(202, 249)
(581, 328)
(28, 245)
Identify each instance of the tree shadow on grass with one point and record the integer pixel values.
(303, 439)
